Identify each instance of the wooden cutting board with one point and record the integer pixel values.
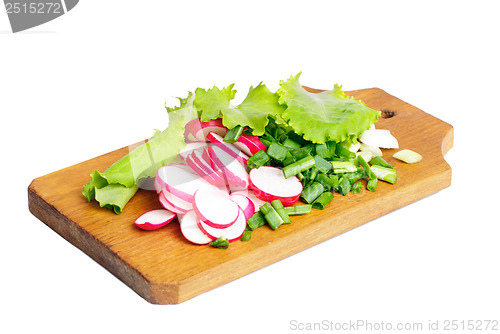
(164, 268)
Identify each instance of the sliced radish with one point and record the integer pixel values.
(190, 147)
(245, 204)
(215, 208)
(157, 186)
(191, 230)
(232, 233)
(206, 166)
(154, 219)
(202, 172)
(249, 144)
(207, 158)
(379, 138)
(177, 201)
(227, 147)
(234, 171)
(181, 182)
(251, 195)
(196, 130)
(167, 205)
(269, 184)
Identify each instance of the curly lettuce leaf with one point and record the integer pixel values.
(114, 187)
(210, 103)
(327, 116)
(253, 112)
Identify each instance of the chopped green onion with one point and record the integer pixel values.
(343, 151)
(277, 151)
(323, 151)
(408, 156)
(280, 209)
(247, 235)
(356, 187)
(260, 158)
(288, 143)
(372, 184)
(298, 209)
(272, 217)
(298, 166)
(232, 135)
(220, 243)
(344, 186)
(354, 176)
(310, 193)
(379, 161)
(366, 155)
(256, 221)
(323, 165)
(327, 182)
(323, 200)
(343, 167)
(366, 167)
(385, 174)
(302, 152)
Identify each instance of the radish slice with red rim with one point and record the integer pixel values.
(232, 233)
(197, 130)
(191, 231)
(249, 144)
(269, 183)
(180, 182)
(190, 147)
(234, 171)
(154, 219)
(215, 208)
(227, 147)
(169, 206)
(245, 204)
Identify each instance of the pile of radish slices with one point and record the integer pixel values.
(209, 189)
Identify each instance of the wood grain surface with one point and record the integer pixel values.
(164, 268)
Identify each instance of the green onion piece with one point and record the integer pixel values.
(379, 161)
(372, 184)
(232, 135)
(323, 151)
(326, 181)
(354, 176)
(343, 167)
(289, 159)
(277, 151)
(302, 152)
(298, 209)
(280, 209)
(408, 156)
(220, 243)
(334, 180)
(366, 167)
(260, 158)
(272, 217)
(385, 174)
(365, 154)
(356, 187)
(310, 193)
(256, 221)
(323, 200)
(264, 141)
(247, 235)
(298, 166)
(332, 146)
(288, 143)
(343, 151)
(323, 165)
(344, 186)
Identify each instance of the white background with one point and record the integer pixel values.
(97, 78)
